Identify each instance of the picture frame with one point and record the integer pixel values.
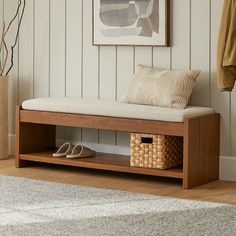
(131, 22)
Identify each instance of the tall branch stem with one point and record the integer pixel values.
(3, 45)
(16, 38)
(6, 53)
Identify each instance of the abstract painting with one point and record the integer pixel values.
(130, 22)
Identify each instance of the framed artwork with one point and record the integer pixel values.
(131, 22)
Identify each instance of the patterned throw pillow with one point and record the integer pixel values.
(161, 87)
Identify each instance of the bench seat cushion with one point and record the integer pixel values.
(113, 109)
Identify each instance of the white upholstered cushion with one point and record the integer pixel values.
(161, 87)
(113, 108)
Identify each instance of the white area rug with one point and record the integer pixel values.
(31, 207)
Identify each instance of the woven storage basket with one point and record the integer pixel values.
(156, 151)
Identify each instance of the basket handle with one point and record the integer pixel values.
(148, 140)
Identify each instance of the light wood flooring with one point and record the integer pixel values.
(218, 191)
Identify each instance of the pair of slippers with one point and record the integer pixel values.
(70, 151)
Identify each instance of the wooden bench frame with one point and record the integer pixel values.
(36, 138)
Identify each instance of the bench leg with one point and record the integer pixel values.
(201, 150)
(21, 163)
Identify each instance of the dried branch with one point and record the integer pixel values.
(2, 35)
(5, 57)
(13, 19)
(3, 42)
(3, 45)
(17, 36)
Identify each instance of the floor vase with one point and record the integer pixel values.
(3, 117)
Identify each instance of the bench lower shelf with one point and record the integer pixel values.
(113, 162)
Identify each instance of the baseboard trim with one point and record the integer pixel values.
(11, 147)
(228, 168)
(227, 164)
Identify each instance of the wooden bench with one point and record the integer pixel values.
(36, 141)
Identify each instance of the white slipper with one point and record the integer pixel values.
(80, 151)
(64, 150)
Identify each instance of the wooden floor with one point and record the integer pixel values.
(218, 191)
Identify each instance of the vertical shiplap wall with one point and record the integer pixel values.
(8, 9)
(1, 15)
(220, 101)
(56, 57)
(41, 47)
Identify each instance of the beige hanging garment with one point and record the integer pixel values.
(226, 52)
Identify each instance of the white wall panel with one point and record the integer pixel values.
(26, 54)
(233, 123)
(180, 34)
(41, 49)
(162, 57)
(57, 57)
(74, 47)
(220, 101)
(107, 85)
(1, 21)
(143, 56)
(2, 13)
(200, 44)
(74, 56)
(125, 70)
(90, 66)
(57, 47)
(1, 16)
(90, 55)
(107, 72)
(9, 11)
